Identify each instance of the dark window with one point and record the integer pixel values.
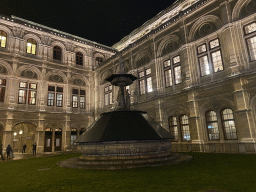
(2, 89)
(3, 37)
(57, 53)
(79, 58)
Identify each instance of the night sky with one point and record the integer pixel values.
(103, 21)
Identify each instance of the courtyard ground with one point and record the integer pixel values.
(205, 172)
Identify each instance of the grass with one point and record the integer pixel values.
(205, 172)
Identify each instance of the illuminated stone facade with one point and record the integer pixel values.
(196, 64)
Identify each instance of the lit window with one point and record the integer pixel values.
(78, 98)
(55, 92)
(173, 127)
(3, 37)
(31, 46)
(228, 124)
(250, 34)
(57, 53)
(79, 58)
(184, 125)
(172, 66)
(2, 89)
(108, 96)
(27, 90)
(212, 125)
(209, 57)
(73, 135)
(145, 81)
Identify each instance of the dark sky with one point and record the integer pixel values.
(103, 21)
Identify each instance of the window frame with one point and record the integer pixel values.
(2, 87)
(79, 58)
(3, 34)
(223, 123)
(79, 96)
(171, 128)
(27, 90)
(145, 78)
(249, 36)
(56, 92)
(57, 53)
(33, 42)
(172, 67)
(209, 51)
(207, 122)
(181, 128)
(109, 93)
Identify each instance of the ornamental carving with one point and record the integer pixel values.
(205, 29)
(169, 47)
(28, 74)
(56, 78)
(79, 82)
(143, 60)
(2, 69)
(251, 6)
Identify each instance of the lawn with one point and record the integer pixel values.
(205, 172)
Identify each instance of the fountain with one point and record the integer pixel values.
(123, 138)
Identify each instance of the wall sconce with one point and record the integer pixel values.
(14, 133)
(20, 132)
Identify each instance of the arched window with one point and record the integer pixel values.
(79, 58)
(3, 37)
(184, 125)
(228, 124)
(31, 46)
(173, 127)
(212, 125)
(57, 53)
(98, 61)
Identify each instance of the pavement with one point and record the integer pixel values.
(18, 156)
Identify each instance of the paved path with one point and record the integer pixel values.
(18, 156)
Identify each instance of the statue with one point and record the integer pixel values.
(127, 100)
(120, 98)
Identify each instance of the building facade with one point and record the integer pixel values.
(195, 62)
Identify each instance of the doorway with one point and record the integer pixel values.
(48, 140)
(58, 139)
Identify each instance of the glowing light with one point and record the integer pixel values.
(20, 132)
(14, 133)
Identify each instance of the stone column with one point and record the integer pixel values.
(8, 132)
(66, 134)
(41, 133)
(243, 116)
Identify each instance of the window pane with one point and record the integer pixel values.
(32, 98)
(3, 39)
(75, 91)
(211, 116)
(177, 73)
(106, 89)
(82, 102)
(59, 100)
(50, 100)
(217, 61)
(229, 124)
(167, 63)
(110, 98)
(214, 43)
(148, 71)
(51, 88)
(60, 89)
(106, 99)
(149, 84)
(75, 101)
(213, 131)
(252, 48)
(173, 127)
(201, 49)
(204, 65)
(168, 77)
(23, 85)
(176, 59)
(32, 86)
(141, 74)
(142, 87)
(250, 28)
(2, 82)
(82, 92)
(22, 96)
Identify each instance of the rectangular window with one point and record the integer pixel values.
(78, 99)
(250, 28)
(82, 102)
(3, 41)
(59, 100)
(50, 99)
(168, 77)
(204, 65)
(177, 73)
(108, 96)
(29, 92)
(2, 89)
(149, 84)
(145, 81)
(142, 87)
(22, 96)
(209, 57)
(251, 43)
(172, 66)
(75, 101)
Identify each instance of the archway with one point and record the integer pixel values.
(24, 133)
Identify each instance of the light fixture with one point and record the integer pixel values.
(14, 133)
(20, 132)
